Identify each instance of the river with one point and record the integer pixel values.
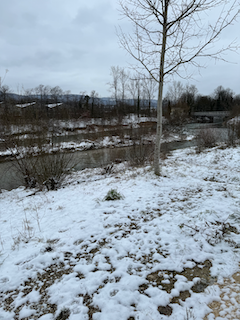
(9, 178)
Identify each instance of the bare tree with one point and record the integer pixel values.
(46, 93)
(94, 100)
(42, 93)
(114, 84)
(56, 94)
(4, 98)
(4, 91)
(188, 98)
(149, 89)
(223, 98)
(118, 86)
(2, 79)
(67, 95)
(39, 91)
(170, 34)
(123, 79)
(180, 100)
(81, 100)
(175, 92)
(28, 93)
(134, 88)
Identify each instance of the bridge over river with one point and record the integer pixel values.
(211, 114)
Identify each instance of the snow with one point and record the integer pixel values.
(54, 105)
(71, 249)
(105, 142)
(26, 312)
(234, 120)
(99, 126)
(24, 105)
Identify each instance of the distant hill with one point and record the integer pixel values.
(70, 97)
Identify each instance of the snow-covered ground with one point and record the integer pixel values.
(234, 120)
(131, 119)
(65, 127)
(163, 251)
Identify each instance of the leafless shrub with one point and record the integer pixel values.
(231, 137)
(214, 232)
(233, 133)
(108, 169)
(206, 138)
(37, 161)
(47, 170)
(24, 235)
(141, 152)
(178, 118)
(237, 129)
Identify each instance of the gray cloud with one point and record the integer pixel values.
(73, 44)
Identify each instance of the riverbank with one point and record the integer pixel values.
(132, 145)
(101, 137)
(93, 134)
(162, 251)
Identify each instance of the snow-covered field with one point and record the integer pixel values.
(163, 251)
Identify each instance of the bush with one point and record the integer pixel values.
(108, 169)
(113, 195)
(233, 132)
(140, 153)
(206, 138)
(178, 118)
(43, 170)
(38, 162)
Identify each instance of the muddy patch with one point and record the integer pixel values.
(199, 276)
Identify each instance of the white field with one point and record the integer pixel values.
(125, 259)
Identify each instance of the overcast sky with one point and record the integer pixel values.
(73, 44)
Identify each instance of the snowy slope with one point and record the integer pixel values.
(158, 253)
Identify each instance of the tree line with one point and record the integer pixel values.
(186, 100)
(129, 93)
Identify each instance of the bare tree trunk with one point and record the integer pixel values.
(157, 170)
(184, 22)
(159, 131)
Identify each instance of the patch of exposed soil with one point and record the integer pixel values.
(158, 279)
(229, 305)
